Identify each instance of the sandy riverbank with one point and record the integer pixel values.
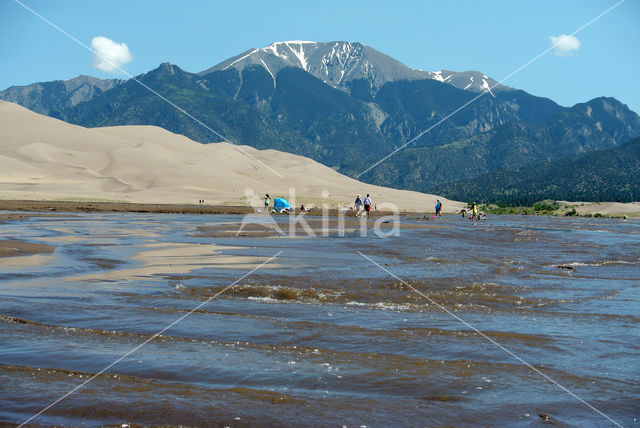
(47, 208)
(606, 209)
(86, 206)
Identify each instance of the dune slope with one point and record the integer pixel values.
(44, 158)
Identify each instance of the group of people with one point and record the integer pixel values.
(362, 207)
(475, 214)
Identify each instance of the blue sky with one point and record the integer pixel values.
(494, 37)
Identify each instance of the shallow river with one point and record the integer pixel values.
(516, 320)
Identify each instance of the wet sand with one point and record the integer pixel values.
(9, 248)
(21, 216)
(153, 260)
(79, 206)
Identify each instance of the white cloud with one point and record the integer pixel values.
(109, 55)
(564, 44)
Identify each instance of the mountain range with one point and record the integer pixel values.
(348, 106)
(49, 97)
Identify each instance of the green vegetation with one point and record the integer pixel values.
(505, 209)
(598, 176)
(546, 207)
(552, 208)
(571, 213)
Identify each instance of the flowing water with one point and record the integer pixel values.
(320, 335)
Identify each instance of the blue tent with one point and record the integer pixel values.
(281, 204)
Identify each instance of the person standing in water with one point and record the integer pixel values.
(474, 211)
(438, 208)
(367, 205)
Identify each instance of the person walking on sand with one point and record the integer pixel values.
(438, 208)
(367, 205)
(266, 202)
(358, 205)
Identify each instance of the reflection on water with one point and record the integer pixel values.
(321, 336)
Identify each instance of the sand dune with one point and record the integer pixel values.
(44, 158)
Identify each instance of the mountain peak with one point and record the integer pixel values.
(166, 68)
(338, 63)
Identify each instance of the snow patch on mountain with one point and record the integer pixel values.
(269, 71)
(299, 54)
(437, 75)
(274, 50)
(485, 87)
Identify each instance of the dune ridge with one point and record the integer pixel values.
(42, 158)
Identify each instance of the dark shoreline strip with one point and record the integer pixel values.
(77, 206)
